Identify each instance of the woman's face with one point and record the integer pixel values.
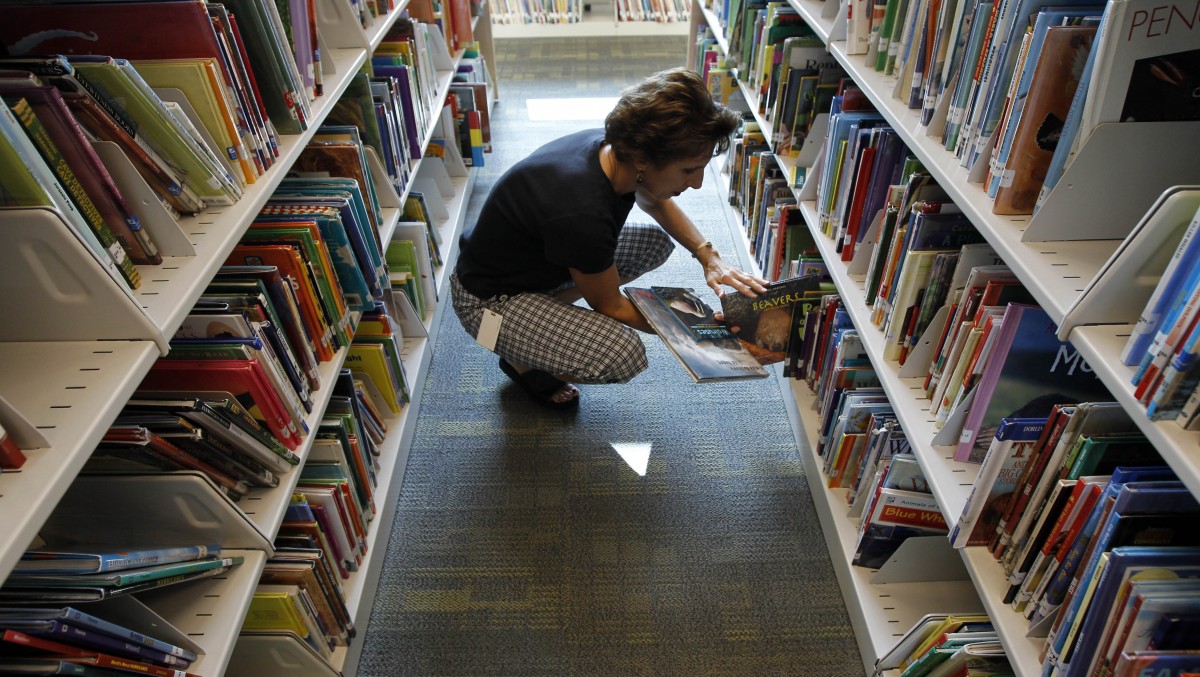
(672, 179)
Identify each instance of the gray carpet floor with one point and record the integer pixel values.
(524, 544)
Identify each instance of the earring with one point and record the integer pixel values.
(641, 176)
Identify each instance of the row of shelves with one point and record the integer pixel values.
(67, 377)
(1064, 274)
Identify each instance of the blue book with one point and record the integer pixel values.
(1126, 514)
(1158, 353)
(81, 619)
(88, 560)
(59, 631)
(1124, 563)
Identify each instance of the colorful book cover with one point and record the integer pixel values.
(703, 360)
(996, 485)
(1028, 372)
(896, 516)
(82, 559)
(762, 324)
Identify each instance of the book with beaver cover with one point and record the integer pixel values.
(762, 324)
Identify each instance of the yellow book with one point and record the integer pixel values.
(371, 360)
(273, 607)
(200, 81)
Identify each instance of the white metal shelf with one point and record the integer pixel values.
(1101, 346)
(69, 391)
(1056, 273)
(210, 611)
(880, 613)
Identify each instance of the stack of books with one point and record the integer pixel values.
(70, 641)
(1067, 504)
(1163, 344)
(69, 575)
(943, 644)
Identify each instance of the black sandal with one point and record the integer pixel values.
(539, 385)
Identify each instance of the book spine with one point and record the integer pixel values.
(58, 164)
(142, 558)
(116, 646)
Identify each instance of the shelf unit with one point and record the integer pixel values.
(67, 385)
(1058, 273)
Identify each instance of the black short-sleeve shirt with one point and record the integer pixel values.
(553, 210)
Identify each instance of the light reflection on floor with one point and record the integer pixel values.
(594, 108)
(636, 454)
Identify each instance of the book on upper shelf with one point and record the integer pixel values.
(895, 516)
(1144, 53)
(709, 360)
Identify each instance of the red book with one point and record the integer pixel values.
(247, 381)
(93, 176)
(11, 456)
(857, 198)
(75, 654)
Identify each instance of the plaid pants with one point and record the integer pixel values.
(543, 332)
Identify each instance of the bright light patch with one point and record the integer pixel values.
(636, 454)
(570, 109)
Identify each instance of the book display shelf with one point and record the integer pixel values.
(1079, 256)
(576, 18)
(75, 345)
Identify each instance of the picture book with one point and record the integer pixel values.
(1053, 83)
(244, 378)
(896, 516)
(1129, 563)
(83, 559)
(82, 656)
(86, 638)
(696, 317)
(82, 619)
(762, 323)
(703, 360)
(68, 137)
(1131, 52)
(995, 486)
(1028, 372)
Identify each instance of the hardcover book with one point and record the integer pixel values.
(896, 516)
(762, 324)
(996, 484)
(721, 360)
(1029, 371)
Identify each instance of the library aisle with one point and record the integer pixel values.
(664, 529)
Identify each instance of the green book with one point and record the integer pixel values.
(120, 578)
(62, 170)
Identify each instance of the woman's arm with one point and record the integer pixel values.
(716, 271)
(602, 291)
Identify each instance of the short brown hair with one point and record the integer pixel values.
(668, 116)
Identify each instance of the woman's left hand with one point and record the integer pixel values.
(717, 272)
